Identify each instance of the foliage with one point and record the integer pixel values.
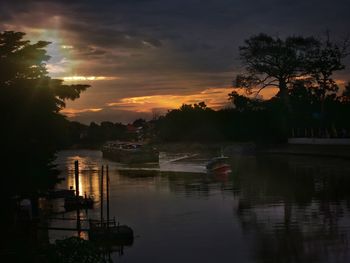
(302, 69)
(106, 131)
(73, 249)
(345, 97)
(189, 122)
(243, 103)
(272, 61)
(30, 102)
(260, 120)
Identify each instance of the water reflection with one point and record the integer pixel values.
(295, 209)
(268, 209)
(88, 176)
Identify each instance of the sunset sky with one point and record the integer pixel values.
(146, 56)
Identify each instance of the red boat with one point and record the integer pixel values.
(219, 165)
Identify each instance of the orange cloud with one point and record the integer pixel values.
(215, 98)
(69, 112)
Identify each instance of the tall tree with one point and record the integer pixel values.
(271, 61)
(30, 101)
(274, 62)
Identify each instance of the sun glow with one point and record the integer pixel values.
(67, 46)
(92, 78)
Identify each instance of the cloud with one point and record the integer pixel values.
(71, 113)
(127, 109)
(213, 97)
(87, 78)
(160, 48)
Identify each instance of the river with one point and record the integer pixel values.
(269, 209)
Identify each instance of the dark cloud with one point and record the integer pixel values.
(167, 46)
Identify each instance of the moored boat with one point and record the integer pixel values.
(60, 193)
(109, 231)
(81, 202)
(130, 152)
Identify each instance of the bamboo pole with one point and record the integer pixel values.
(102, 195)
(107, 186)
(76, 173)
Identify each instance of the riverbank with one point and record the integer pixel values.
(334, 151)
(250, 148)
(212, 148)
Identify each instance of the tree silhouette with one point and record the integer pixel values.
(346, 94)
(306, 64)
(30, 101)
(272, 61)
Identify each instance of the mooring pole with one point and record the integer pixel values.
(107, 186)
(76, 173)
(78, 221)
(102, 196)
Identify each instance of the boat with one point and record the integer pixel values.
(130, 152)
(78, 202)
(219, 165)
(60, 193)
(111, 232)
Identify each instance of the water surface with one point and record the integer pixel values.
(269, 209)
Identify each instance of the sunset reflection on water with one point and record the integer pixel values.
(89, 176)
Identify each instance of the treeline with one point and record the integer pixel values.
(94, 135)
(309, 98)
(249, 119)
(202, 124)
(259, 120)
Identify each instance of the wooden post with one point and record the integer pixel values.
(102, 196)
(76, 173)
(78, 221)
(107, 186)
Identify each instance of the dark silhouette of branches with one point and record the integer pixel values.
(30, 101)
